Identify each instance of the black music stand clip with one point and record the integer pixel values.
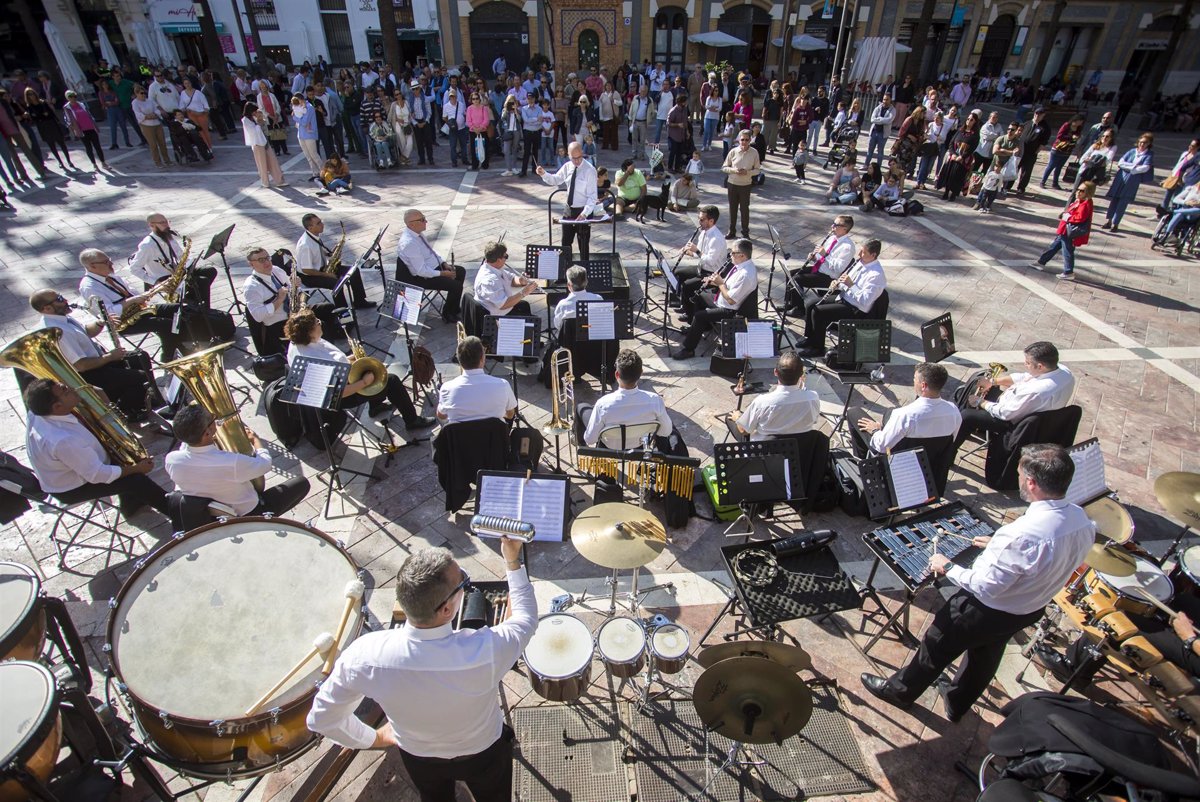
(757, 473)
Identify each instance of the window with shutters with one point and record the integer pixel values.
(264, 14)
(337, 37)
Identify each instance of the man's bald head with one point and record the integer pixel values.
(415, 220)
(42, 298)
(575, 150)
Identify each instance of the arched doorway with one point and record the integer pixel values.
(670, 31)
(1146, 52)
(750, 24)
(996, 45)
(499, 28)
(589, 49)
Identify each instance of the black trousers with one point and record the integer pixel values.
(704, 321)
(739, 200)
(395, 392)
(963, 626)
(423, 137)
(327, 282)
(818, 315)
(282, 497)
(133, 492)
(689, 292)
(1025, 168)
(453, 287)
(325, 135)
(161, 323)
(573, 231)
(488, 773)
(532, 141)
(125, 386)
(977, 420)
(816, 281)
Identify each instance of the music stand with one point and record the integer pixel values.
(377, 248)
(769, 305)
(897, 482)
(754, 473)
(516, 337)
(217, 245)
(673, 285)
(863, 341)
(340, 287)
(608, 218)
(543, 262)
(937, 338)
(747, 340)
(593, 323)
(543, 500)
(403, 303)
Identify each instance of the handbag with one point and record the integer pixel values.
(1071, 171)
(1170, 182)
(1076, 230)
(480, 148)
(406, 130)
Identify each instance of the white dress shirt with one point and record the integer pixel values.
(585, 185)
(740, 282)
(223, 476)
(418, 254)
(475, 395)
(627, 407)
(923, 417)
(259, 292)
(1030, 559)
(869, 284)
(321, 349)
(154, 258)
(75, 343)
(492, 288)
(565, 309)
(786, 409)
(712, 249)
(1030, 394)
(437, 686)
(310, 252)
(65, 455)
(96, 286)
(839, 254)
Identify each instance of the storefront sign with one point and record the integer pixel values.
(177, 12)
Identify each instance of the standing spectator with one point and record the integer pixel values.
(1060, 151)
(881, 128)
(83, 127)
(351, 102)
(41, 114)
(712, 112)
(219, 101)
(1034, 136)
(422, 121)
(905, 97)
(960, 95)
(743, 110)
(1094, 132)
(1135, 168)
(149, 120)
(454, 112)
(1093, 164)
(772, 111)
(272, 112)
(678, 130)
(820, 113)
(329, 118)
(120, 112)
(952, 178)
(741, 165)
(800, 160)
(1074, 227)
(609, 105)
(666, 102)
(499, 66)
(10, 133)
(193, 103)
(658, 77)
(908, 143)
(509, 131)
(255, 137)
(639, 117)
(479, 117)
(799, 122)
(594, 83)
(531, 132)
(760, 144)
(305, 117)
(695, 84)
(1005, 148)
(935, 134)
(988, 135)
(400, 118)
(546, 151)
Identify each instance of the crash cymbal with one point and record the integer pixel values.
(1108, 560)
(1112, 520)
(752, 700)
(618, 535)
(1179, 493)
(790, 657)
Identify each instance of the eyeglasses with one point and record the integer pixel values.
(419, 220)
(464, 585)
(260, 258)
(60, 299)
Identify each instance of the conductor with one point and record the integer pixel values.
(579, 177)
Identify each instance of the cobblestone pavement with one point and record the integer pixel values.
(1128, 327)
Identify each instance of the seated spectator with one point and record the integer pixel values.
(381, 141)
(684, 194)
(335, 176)
(1185, 211)
(884, 195)
(846, 186)
(604, 190)
(630, 186)
(185, 136)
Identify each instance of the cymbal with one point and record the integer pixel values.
(1108, 560)
(791, 657)
(618, 535)
(1179, 493)
(1112, 520)
(752, 701)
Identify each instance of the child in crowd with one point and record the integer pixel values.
(728, 133)
(335, 176)
(695, 168)
(800, 160)
(562, 157)
(546, 156)
(589, 149)
(604, 190)
(991, 188)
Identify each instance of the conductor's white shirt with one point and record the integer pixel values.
(474, 396)
(585, 185)
(1030, 394)
(65, 455)
(154, 258)
(627, 407)
(786, 409)
(924, 417)
(223, 476)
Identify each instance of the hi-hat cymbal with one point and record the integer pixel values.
(1179, 493)
(1112, 520)
(752, 701)
(1107, 560)
(790, 657)
(618, 535)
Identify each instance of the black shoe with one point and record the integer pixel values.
(685, 353)
(1058, 665)
(364, 304)
(745, 235)
(419, 422)
(953, 716)
(731, 234)
(880, 689)
(114, 147)
(451, 317)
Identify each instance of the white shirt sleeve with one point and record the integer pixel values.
(332, 712)
(868, 286)
(85, 463)
(142, 259)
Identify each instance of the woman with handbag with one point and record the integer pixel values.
(908, 141)
(1135, 168)
(935, 134)
(1064, 145)
(268, 106)
(1185, 173)
(510, 134)
(1093, 164)
(1074, 226)
(400, 118)
(478, 119)
(253, 122)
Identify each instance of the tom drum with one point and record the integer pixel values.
(621, 642)
(1120, 591)
(559, 658)
(30, 728)
(669, 647)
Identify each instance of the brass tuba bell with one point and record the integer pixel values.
(360, 363)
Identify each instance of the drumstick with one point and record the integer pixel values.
(1148, 596)
(354, 591)
(321, 644)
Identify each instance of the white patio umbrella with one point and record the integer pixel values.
(875, 60)
(804, 41)
(166, 50)
(67, 65)
(106, 49)
(716, 39)
(145, 43)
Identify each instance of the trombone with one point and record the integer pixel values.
(562, 399)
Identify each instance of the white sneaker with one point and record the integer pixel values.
(505, 173)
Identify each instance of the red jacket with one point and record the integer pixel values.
(1077, 212)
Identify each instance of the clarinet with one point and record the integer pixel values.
(836, 286)
(683, 250)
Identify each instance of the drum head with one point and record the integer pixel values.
(1112, 520)
(213, 621)
(1189, 560)
(561, 646)
(670, 641)
(28, 699)
(19, 587)
(621, 639)
(1146, 575)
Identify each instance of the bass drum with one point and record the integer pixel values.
(22, 613)
(209, 622)
(30, 727)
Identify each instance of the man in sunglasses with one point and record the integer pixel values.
(436, 685)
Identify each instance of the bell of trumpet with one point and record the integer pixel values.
(361, 364)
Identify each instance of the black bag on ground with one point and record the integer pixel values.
(849, 480)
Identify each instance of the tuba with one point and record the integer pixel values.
(204, 375)
(360, 363)
(562, 394)
(335, 256)
(39, 355)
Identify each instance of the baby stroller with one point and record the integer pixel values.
(845, 139)
(1059, 748)
(188, 145)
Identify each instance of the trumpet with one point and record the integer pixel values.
(360, 364)
(562, 394)
(994, 370)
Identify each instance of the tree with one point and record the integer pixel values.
(387, 29)
(212, 43)
(37, 36)
(915, 63)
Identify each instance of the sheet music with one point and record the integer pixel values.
(316, 383)
(1088, 481)
(547, 265)
(173, 388)
(908, 480)
(540, 502)
(408, 306)
(602, 324)
(672, 279)
(510, 336)
(756, 342)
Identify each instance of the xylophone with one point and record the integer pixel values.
(907, 547)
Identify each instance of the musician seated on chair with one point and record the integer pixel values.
(100, 281)
(926, 416)
(312, 257)
(71, 464)
(303, 330)
(425, 268)
(577, 281)
(703, 310)
(497, 288)
(200, 468)
(265, 292)
(475, 395)
(629, 406)
(826, 262)
(787, 409)
(1044, 385)
(851, 296)
(709, 248)
(123, 380)
(158, 254)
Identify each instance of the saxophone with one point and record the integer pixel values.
(170, 285)
(335, 256)
(297, 297)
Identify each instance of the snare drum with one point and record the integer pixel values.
(22, 615)
(1186, 576)
(1119, 589)
(559, 658)
(30, 728)
(209, 622)
(669, 647)
(621, 642)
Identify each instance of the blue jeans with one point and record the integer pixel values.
(116, 116)
(1116, 210)
(546, 152)
(1057, 160)
(925, 166)
(356, 127)
(876, 141)
(383, 152)
(1181, 216)
(658, 126)
(710, 130)
(460, 143)
(1061, 243)
(337, 183)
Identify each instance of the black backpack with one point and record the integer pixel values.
(849, 481)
